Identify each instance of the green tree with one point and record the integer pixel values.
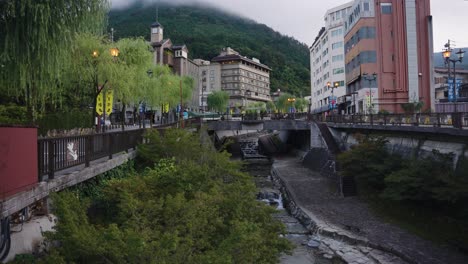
(218, 101)
(190, 205)
(282, 104)
(301, 105)
(369, 163)
(35, 41)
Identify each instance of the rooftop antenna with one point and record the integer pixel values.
(157, 11)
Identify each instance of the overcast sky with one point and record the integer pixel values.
(302, 19)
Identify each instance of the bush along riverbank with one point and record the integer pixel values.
(424, 195)
(188, 204)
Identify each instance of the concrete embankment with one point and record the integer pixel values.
(346, 226)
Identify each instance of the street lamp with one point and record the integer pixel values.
(446, 54)
(354, 102)
(95, 54)
(370, 78)
(292, 100)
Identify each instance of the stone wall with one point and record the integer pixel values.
(409, 145)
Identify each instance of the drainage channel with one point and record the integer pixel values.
(308, 248)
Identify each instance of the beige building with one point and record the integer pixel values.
(209, 80)
(245, 80)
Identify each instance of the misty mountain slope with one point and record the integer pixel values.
(206, 30)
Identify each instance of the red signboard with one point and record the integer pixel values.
(18, 160)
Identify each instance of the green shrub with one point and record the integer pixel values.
(190, 205)
(13, 114)
(369, 162)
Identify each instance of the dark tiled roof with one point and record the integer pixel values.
(178, 47)
(238, 57)
(159, 44)
(156, 24)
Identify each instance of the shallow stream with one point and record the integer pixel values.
(307, 248)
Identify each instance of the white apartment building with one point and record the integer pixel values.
(327, 63)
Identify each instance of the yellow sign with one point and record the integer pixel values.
(165, 108)
(99, 104)
(109, 102)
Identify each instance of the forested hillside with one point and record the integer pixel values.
(206, 30)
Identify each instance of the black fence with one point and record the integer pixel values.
(55, 154)
(452, 120)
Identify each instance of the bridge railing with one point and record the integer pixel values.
(55, 154)
(453, 120)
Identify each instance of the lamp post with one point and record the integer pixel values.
(354, 102)
(335, 86)
(446, 54)
(292, 100)
(114, 53)
(370, 78)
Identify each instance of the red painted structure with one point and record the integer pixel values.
(390, 44)
(18, 160)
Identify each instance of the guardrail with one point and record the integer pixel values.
(60, 153)
(55, 154)
(453, 120)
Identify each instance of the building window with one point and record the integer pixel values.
(337, 45)
(212, 72)
(366, 6)
(386, 8)
(338, 70)
(337, 58)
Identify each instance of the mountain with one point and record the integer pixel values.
(439, 60)
(206, 30)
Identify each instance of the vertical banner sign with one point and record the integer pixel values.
(332, 102)
(109, 101)
(99, 104)
(454, 90)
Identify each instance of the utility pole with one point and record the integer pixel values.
(181, 114)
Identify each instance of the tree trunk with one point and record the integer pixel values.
(123, 115)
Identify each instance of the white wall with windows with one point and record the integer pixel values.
(327, 62)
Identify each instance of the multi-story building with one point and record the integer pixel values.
(388, 55)
(209, 81)
(175, 57)
(442, 89)
(245, 80)
(327, 63)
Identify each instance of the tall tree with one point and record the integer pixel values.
(35, 40)
(218, 100)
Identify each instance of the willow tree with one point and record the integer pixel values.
(218, 100)
(131, 75)
(283, 104)
(35, 42)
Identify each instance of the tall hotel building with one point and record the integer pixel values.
(327, 63)
(388, 55)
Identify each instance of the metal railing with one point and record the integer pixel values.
(55, 154)
(452, 120)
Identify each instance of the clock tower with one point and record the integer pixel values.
(156, 32)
